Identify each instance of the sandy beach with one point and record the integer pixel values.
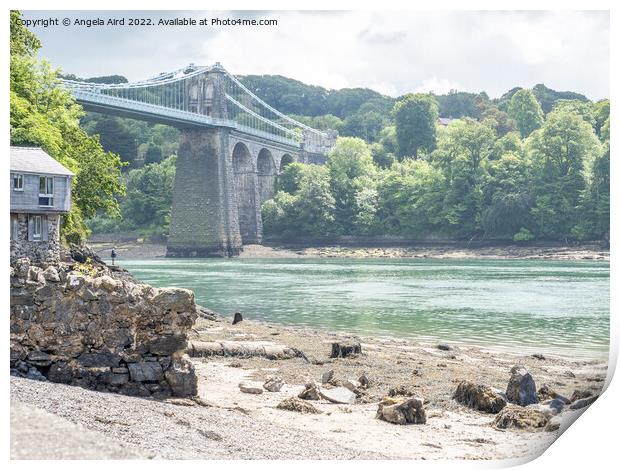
(228, 423)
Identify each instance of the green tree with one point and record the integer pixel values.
(601, 115)
(462, 153)
(307, 212)
(351, 169)
(410, 199)
(525, 110)
(149, 195)
(153, 155)
(415, 116)
(563, 153)
(115, 138)
(43, 114)
(507, 201)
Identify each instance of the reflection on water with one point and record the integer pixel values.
(543, 305)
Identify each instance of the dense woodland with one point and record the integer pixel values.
(529, 165)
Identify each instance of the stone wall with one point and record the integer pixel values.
(85, 326)
(44, 250)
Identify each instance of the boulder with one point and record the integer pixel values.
(402, 410)
(518, 417)
(556, 405)
(251, 388)
(295, 404)
(311, 392)
(339, 395)
(273, 384)
(521, 388)
(579, 394)
(344, 349)
(582, 403)
(479, 397)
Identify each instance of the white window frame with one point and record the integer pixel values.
(47, 194)
(18, 177)
(37, 219)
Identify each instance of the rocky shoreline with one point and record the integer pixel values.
(142, 249)
(462, 402)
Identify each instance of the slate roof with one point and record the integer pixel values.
(35, 160)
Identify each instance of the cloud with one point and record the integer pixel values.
(393, 52)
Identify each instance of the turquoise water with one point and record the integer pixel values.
(553, 306)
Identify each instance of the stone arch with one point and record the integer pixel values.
(266, 170)
(245, 193)
(285, 160)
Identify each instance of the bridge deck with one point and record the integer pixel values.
(102, 103)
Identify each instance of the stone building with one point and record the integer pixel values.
(40, 194)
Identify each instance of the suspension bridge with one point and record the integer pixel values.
(232, 147)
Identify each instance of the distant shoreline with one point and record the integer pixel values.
(142, 250)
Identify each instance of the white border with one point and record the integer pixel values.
(591, 443)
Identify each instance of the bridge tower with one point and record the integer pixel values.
(204, 219)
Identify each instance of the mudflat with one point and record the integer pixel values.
(140, 249)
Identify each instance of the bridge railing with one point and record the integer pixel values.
(168, 95)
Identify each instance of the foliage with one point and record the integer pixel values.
(563, 154)
(351, 170)
(525, 110)
(148, 202)
(308, 211)
(415, 116)
(42, 114)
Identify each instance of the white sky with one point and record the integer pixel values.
(391, 52)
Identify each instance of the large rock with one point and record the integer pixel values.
(582, 403)
(517, 417)
(479, 397)
(340, 395)
(402, 410)
(521, 388)
(273, 384)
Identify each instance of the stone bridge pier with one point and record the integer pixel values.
(222, 178)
